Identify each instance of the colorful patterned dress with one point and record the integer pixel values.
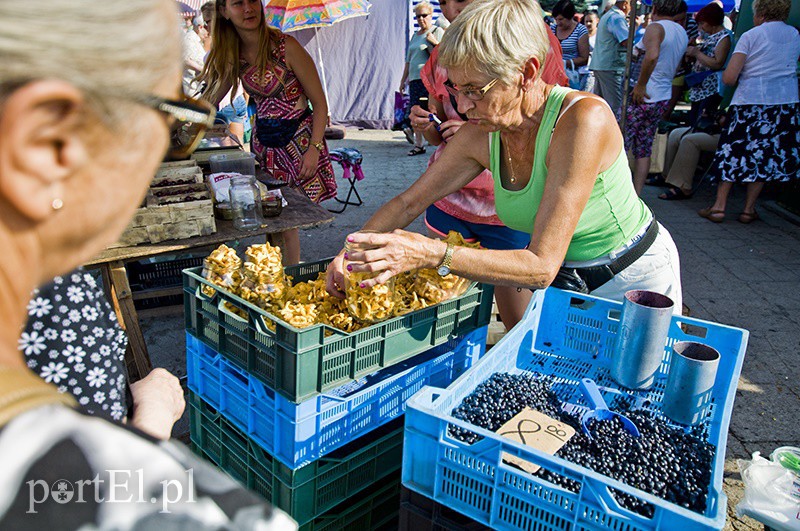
(276, 94)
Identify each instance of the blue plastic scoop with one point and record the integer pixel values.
(599, 410)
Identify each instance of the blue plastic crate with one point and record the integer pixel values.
(300, 433)
(568, 336)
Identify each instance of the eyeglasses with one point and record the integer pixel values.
(470, 93)
(188, 120)
(422, 15)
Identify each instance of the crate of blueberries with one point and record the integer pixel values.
(667, 477)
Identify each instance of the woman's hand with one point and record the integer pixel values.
(419, 119)
(309, 165)
(393, 253)
(157, 403)
(692, 51)
(334, 278)
(639, 94)
(449, 128)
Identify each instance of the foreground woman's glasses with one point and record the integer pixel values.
(188, 121)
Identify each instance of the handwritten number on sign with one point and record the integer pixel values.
(556, 432)
(528, 426)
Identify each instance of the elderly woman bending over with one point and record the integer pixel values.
(559, 169)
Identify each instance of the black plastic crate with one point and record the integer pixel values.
(156, 277)
(420, 513)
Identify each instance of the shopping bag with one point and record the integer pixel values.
(659, 155)
(400, 108)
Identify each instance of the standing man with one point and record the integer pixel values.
(193, 55)
(608, 58)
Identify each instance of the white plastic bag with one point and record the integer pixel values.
(767, 494)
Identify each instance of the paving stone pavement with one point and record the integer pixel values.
(741, 275)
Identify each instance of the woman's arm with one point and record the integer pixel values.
(466, 156)
(731, 74)
(405, 77)
(463, 160)
(720, 54)
(583, 51)
(216, 97)
(571, 176)
(653, 37)
(306, 71)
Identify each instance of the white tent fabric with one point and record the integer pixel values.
(190, 6)
(364, 60)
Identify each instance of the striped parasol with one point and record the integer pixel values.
(290, 15)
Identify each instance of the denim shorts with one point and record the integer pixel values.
(235, 113)
(497, 237)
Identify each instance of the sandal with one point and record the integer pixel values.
(409, 134)
(416, 151)
(674, 194)
(748, 217)
(715, 216)
(656, 181)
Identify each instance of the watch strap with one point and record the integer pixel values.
(447, 259)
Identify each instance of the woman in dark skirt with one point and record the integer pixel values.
(762, 142)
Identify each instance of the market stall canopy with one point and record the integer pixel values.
(697, 5)
(290, 15)
(190, 7)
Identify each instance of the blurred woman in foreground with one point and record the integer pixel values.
(86, 107)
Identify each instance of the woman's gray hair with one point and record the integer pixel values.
(495, 38)
(427, 6)
(773, 9)
(105, 49)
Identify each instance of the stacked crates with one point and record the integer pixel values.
(311, 419)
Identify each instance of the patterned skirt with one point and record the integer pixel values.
(284, 164)
(761, 144)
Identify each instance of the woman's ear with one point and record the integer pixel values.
(530, 72)
(42, 145)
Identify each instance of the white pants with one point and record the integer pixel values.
(658, 269)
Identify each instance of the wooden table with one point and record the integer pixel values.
(300, 213)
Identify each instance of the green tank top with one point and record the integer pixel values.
(613, 215)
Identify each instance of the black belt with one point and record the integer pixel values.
(588, 279)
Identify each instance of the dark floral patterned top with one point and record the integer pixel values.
(73, 340)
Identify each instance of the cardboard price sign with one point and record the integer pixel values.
(537, 430)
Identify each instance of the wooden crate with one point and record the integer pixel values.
(178, 206)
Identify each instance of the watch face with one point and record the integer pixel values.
(443, 271)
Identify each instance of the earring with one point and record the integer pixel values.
(57, 204)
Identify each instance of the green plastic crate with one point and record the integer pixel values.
(377, 511)
(302, 363)
(306, 492)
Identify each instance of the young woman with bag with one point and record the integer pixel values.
(280, 77)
